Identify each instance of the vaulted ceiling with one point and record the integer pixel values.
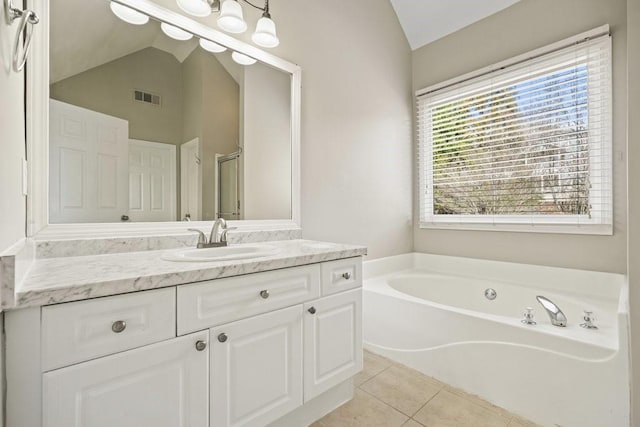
(424, 21)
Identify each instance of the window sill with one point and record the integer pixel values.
(594, 229)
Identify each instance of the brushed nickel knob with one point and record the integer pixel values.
(264, 294)
(222, 337)
(346, 275)
(118, 326)
(312, 310)
(201, 345)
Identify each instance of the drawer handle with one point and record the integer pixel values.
(346, 275)
(201, 345)
(312, 310)
(264, 294)
(222, 337)
(118, 326)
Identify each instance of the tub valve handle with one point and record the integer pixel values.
(528, 317)
(589, 318)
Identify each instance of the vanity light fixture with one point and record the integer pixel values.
(128, 15)
(265, 34)
(242, 59)
(175, 32)
(231, 18)
(212, 47)
(200, 8)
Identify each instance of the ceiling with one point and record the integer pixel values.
(424, 21)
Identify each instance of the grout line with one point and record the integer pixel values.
(386, 404)
(397, 409)
(375, 375)
(425, 403)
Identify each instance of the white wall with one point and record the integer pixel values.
(633, 49)
(12, 143)
(527, 25)
(266, 143)
(357, 152)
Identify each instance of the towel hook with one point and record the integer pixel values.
(29, 18)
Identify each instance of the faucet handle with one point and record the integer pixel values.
(528, 316)
(589, 318)
(202, 238)
(223, 233)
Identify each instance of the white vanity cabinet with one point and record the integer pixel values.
(332, 341)
(256, 369)
(159, 385)
(242, 351)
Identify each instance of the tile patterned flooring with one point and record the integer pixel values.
(389, 394)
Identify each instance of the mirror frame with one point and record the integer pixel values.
(37, 129)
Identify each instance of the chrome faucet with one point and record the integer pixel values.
(218, 236)
(556, 315)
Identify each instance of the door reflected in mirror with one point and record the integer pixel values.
(147, 128)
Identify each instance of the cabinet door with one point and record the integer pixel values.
(256, 369)
(332, 341)
(160, 385)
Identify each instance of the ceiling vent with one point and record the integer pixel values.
(146, 97)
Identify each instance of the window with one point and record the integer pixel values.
(522, 147)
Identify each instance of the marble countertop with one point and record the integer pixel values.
(64, 279)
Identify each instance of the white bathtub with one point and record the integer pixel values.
(429, 312)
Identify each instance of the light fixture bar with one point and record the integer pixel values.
(231, 18)
(264, 35)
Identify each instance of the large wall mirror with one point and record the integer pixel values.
(149, 124)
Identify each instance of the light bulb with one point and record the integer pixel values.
(128, 15)
(212, 47)
(231, 19)
(243, 59)
(265, 34)
(199, 8)
(175, 32)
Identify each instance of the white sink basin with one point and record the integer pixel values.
(224, 253)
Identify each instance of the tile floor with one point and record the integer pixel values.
(388, 394)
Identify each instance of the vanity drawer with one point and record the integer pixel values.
(341, 275)
(211, 303)
(79, 331)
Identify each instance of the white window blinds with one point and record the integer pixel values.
(528, 145)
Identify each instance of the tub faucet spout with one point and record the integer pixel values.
(556, 315)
